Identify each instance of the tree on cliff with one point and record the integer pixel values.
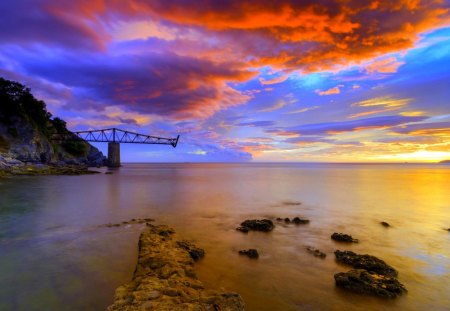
(16, 101)
(18, 106)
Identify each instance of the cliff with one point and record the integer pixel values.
(26, 129)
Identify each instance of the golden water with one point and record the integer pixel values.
(55, 257)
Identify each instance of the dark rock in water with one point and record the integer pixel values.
(130, 222)
(292, 203)
(385, 224)
(279, 219)
(367, 262)
(316, 252)
(265, 225)
(195, 252)
(287, 220)
(342, 237)
(108, 173)
(300, 221)
(361, 281)
(251, 253)
(242, 229)
(448, 229)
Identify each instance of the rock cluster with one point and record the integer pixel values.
(367, 262)
(295, 220)
(251, 253)
(342, 237)
(371, 275)
(165, 279)
(315, 252)
(300, 221)
(363, 282)
(265, 225)
(129, 222)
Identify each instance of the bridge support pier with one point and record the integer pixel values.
(113, 154)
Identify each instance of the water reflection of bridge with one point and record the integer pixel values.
(114, 137)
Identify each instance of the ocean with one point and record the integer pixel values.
(55, 253)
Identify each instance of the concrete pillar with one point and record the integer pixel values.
(113, 154)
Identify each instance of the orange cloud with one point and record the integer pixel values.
(307, 35)
(303, 110)
(387, 65)
(333, 90)
(438, 129)
(386, 104)
(273, 80)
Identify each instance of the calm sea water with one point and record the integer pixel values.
(55, 256)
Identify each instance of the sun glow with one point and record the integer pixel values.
(418, 156)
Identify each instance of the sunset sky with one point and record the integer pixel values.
(307, 81)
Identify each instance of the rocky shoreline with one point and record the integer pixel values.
(165, 279)
(10, 166)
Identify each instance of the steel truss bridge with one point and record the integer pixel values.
(114, 137)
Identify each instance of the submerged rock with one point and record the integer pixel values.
(316, 252)
(367, 262)
(165, 279)
(251, 253)
(242, 229)
(129, 222)
(287, 220)
(300, 221)
(265, 225)
(361, 281)
(342, 237)
(292, 203)
(385, 224)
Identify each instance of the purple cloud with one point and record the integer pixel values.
(263, 123)
(35, 22)
(167, 85)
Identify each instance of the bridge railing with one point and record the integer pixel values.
(116, 136)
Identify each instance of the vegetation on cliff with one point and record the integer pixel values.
(26, 129)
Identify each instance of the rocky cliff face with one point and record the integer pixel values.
(26, 129)
(29, 145)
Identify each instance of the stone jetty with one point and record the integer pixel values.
(165, 278)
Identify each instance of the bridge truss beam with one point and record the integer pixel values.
(114, 135)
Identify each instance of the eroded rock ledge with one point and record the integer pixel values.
(165, 278)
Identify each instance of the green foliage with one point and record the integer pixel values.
(75, 148)
(59, 125)
(17, 103)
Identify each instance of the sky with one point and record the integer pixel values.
(269, 81)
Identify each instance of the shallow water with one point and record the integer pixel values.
(55, 256)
